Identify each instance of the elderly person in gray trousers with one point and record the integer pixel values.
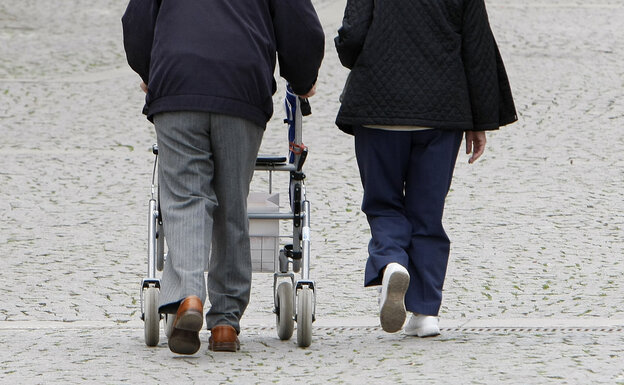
(207, 68)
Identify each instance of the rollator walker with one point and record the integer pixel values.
(294, 298)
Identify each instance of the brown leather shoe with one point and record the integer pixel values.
(184, 338)
(223, 339)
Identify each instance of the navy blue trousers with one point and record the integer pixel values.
(406, 176)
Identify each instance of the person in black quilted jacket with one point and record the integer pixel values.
(424, 74)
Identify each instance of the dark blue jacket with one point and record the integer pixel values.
(429, 63)
(220, 55)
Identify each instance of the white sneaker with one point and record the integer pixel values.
(392, 305)
(422, 326)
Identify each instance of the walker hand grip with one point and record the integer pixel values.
(302, 158)
(305, 107)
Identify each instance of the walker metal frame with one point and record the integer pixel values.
(294, 298)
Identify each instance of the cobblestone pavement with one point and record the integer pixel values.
(533, 292)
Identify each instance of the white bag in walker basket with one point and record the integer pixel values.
(263, 233)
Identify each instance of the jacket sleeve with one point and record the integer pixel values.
(480, 65)
(300, 42)
(351, 35)
(138, 23)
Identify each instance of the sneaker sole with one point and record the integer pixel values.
(392, 314)
(429, 333)
(424, 332)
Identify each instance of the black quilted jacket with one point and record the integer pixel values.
(429, 63)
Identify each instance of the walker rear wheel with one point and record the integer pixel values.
(151, 317)
(168, 324)
(305, 309)
(284, 312)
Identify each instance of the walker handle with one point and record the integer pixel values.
(304, 104)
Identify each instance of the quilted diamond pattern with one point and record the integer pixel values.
(422, 62)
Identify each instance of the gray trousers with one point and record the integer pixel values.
(206, 162)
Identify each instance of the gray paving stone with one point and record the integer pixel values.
(533, 292)
(338, 355)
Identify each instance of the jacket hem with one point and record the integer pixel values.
(207, 103)
(347, 124)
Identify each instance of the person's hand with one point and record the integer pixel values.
(475, 144)
(309, 93)
(144, 87)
